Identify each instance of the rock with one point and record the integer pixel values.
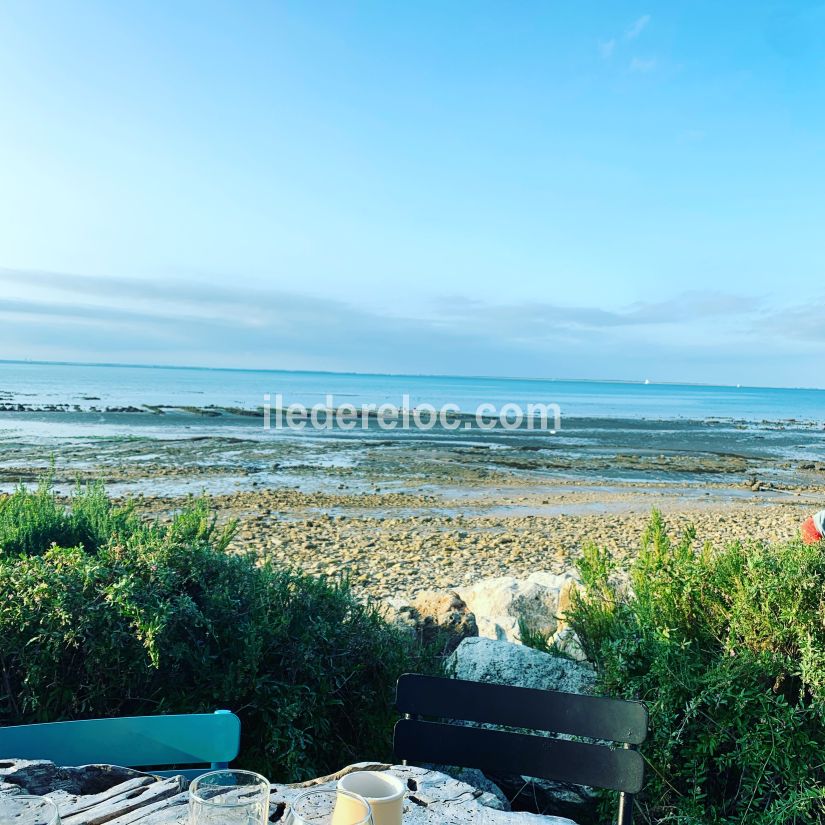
(489, 660)
(542, 796)
(499, 604)
(436, 617)
(394, 604)
(566, 584)
(568, 644)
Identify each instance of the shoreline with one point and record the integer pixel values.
(404, 512)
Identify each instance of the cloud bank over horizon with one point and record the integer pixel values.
(697, 335)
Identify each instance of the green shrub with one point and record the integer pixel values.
(31, 521)
(103, 613)
(727, 648)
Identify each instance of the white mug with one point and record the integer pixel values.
(383, 791)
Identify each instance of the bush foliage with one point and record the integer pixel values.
(727, 648)
(103, 613)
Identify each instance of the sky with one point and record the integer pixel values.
(621, 190)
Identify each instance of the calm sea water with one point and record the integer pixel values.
(107, 386)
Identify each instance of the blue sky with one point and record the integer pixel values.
(619, 190)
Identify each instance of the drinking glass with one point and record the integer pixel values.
(337, 807)
(229, 797)
(28, 810)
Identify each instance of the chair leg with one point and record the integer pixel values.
(625, 809)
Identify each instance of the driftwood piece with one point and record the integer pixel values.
(38, 777)
(74, 804)
(334, 777)
(136, 798)
(133, 799)
(166, 811)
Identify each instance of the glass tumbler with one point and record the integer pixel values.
(229, 797)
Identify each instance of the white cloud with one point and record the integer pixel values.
(637, 27)
(643, 64)
(608, 47)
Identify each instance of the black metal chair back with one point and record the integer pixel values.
(580, 763)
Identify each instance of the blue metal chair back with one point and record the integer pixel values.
(211, 739)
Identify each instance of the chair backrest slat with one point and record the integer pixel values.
(579, 763)
(188, 739)
(594, 717)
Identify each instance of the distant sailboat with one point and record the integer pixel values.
(647, 380)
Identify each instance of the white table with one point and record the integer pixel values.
(98, 794)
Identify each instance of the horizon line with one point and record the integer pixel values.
(642, 382)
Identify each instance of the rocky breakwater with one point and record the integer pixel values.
(478, 629)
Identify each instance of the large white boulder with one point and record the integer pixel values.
(539, 600)
(504, 663)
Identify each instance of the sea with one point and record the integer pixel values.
(98, 387)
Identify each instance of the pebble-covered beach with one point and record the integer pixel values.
(410, 512)
(388, 550)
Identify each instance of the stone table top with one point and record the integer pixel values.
(98, 794)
